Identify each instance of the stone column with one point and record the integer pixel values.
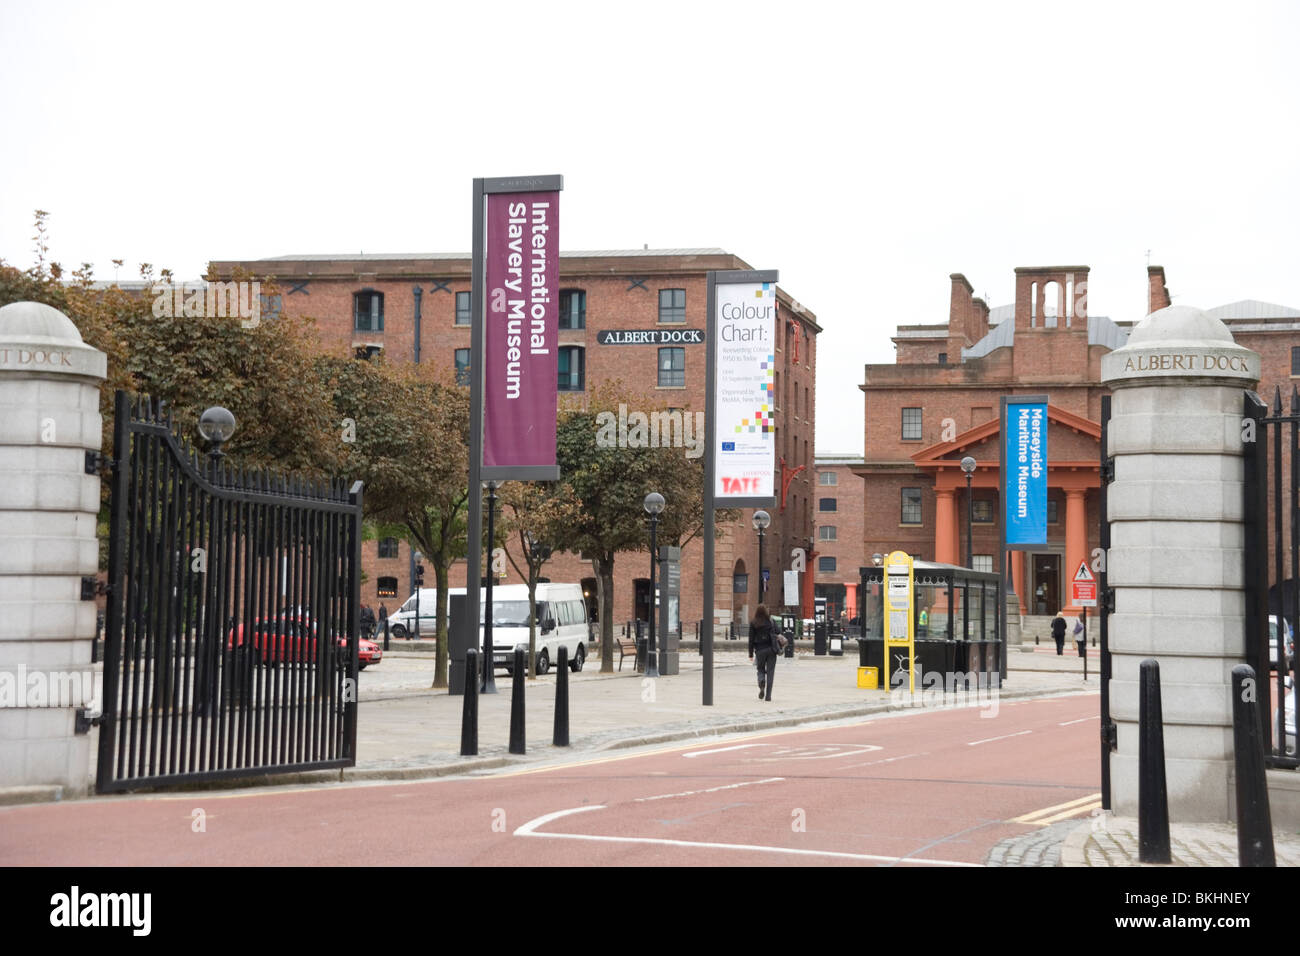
(1018, 580)
(49, 508)
(1176, 558)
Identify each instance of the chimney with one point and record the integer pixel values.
(1157, 293)
(959, 307)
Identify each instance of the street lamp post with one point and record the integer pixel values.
(216, 425)
(654, 505)
(419, 585)
(967, 466)
(761, 520)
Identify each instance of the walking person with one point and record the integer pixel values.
(1058, 633)
(763, 650)
(367, 620)
(383, 616)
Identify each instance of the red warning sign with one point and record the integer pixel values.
(1083, 589)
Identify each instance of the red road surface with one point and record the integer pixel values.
(936, 787)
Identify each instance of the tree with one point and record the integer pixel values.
(538, 513)
(408, 434)
(611, 483)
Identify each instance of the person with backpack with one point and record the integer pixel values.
(764, 645)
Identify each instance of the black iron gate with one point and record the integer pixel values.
(233, 604)
(1272, 560)
(1105, 605)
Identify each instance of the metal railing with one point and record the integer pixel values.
(232, 614)
(1272, 557)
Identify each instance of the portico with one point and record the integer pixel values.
(1040, 576)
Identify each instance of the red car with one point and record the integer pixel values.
(294, 640)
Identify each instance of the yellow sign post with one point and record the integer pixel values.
(900, 596)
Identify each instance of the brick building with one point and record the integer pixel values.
(940, 400)
(416, 308)
(840, 533)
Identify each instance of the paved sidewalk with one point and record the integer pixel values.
(406, 730)
(1113, 841)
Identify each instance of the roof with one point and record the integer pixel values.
(572, 254)
(1253, 309)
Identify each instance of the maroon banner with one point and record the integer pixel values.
(521, 285)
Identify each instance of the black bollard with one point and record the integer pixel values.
(1254, 821)
(469, 708)
(385, 633)
(1153, 793)
(517, 702)
(561, 735)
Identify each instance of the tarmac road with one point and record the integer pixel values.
(932, 787)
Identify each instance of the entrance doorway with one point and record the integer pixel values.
(1047, 583)
(641, 599)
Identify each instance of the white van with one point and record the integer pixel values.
(401, 623)
(561, 622)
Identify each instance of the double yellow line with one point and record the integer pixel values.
(1062, 811)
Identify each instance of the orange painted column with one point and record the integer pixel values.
(945, 527)
(958, 528)
(1076, 539)
(1018, 578)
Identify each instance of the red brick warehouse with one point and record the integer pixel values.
(939, 402)
(635, 317)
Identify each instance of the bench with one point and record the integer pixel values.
(626, 645)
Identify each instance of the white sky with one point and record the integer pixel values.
(865, 150)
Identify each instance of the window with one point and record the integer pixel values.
(572, 367)
(388, 547)
(672, 368)
(387, 587)
(826, 563)
(462, 308)
(982, 562)
(740, 584)
(911, 506)
(1051, 511)
(943, 358)
(828, 478)
(981, 511)
(911, 424)
(1295, 360)
(462, 366)
(672, 305)
(827, 504)
(826, 532)
(573, 309)
(366, 352)
(270, 306)
(368, 311)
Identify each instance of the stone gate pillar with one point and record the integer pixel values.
(49, 508)
(1176, 557)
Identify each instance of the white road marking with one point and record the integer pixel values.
(989, 740)
(720, 750)
(691, 793)
(872, 763)
(1067, 723)
(530, 829)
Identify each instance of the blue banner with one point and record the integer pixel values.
(1024, 436)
